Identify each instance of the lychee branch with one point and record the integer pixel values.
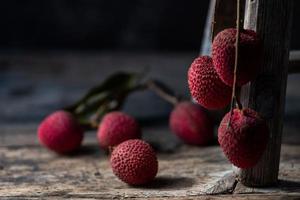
(152, 85)
(236, 60)
(111, 94)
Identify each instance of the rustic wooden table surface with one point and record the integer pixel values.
(28, 171)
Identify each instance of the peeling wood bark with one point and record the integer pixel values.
(225, 185)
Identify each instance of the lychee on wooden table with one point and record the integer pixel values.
(185, 172)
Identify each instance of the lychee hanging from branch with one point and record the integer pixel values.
(243, 134)
(244, 140)
(223, 55)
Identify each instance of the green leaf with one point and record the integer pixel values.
(108, 96)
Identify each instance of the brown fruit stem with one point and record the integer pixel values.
(160, 92)
(234, 96)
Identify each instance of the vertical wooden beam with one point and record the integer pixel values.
(221, 15)
(207, 33)
(224, 16)
(272, 21)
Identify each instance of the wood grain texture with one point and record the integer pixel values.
(272, 21)
(28, 171)
(225, 15)
(31, 171)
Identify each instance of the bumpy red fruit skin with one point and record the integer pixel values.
(191, 124)
(223, 55)
(60, 132)
(245, 140)
(117, 127)
(205, 85)
(134, 162)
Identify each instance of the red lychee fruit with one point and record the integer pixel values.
(205, 85)
(191, 124)
(223, 55)
(117, 127)
(245, 139)
(134, 162)
(60, 132)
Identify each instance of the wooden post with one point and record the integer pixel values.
(221, 15)
(272, 21)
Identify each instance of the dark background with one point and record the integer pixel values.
(100, 25)
(52, 52)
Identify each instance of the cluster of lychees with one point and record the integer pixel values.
(132, 160)
(242, 134)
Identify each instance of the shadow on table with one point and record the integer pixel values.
(289, 186)
(88, 150)
(171, 183)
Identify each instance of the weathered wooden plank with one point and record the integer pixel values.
(31, 172)
(221, 15)
(272, 21)
(224, 15)
(219, 197)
